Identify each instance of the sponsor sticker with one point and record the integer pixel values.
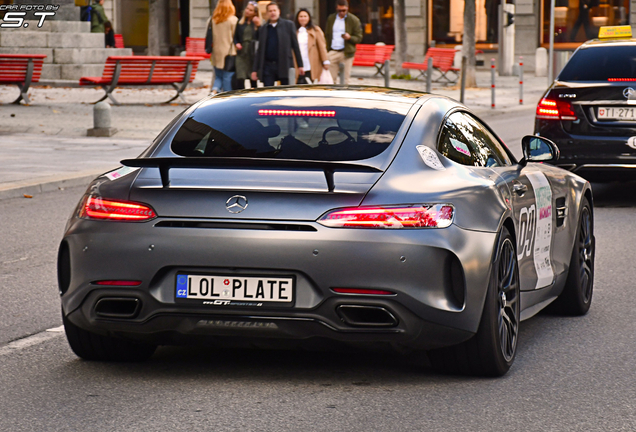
(118, 173)
(430, 158)
(543, 229)
(460, 146)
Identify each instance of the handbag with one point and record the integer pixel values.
(208, 38)
(325, 77)
(229, 65)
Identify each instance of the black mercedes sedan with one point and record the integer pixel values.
(590, 110)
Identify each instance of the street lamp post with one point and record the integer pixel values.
(551, 49)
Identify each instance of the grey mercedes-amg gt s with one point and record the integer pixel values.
(299, 215)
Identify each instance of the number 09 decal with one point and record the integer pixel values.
(535, 230)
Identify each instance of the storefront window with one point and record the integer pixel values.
(579, 20)
(447, 24)
(376, 17)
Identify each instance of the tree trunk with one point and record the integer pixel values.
(468, 42)
(399, 18)
(153, 27)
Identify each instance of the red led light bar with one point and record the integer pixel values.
(103, 209)
(118, 283)
(296, 113)
(361, 291)
(415, 216)
(621, 79)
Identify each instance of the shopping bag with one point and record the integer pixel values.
(325, 77)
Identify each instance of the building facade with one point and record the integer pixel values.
(428, 22)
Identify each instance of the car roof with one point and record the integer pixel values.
(594, 43)
(329, 92)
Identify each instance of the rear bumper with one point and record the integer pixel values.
(429, 307)
(595, 157)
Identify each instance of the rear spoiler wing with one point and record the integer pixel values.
(164, 165)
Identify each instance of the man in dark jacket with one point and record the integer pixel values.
(276, 42)
(343, 32)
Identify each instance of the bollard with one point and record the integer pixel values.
(463, 82)
(291, 75)
(520, 80)
(429, 74)
(341, 73)
(101, 121)
(387, 73)
(492, 83)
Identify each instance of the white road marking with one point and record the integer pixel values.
(32, 340)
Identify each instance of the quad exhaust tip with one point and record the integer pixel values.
(118, 307)
(366, 316)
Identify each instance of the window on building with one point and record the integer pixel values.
(576, 21)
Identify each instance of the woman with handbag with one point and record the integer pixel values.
(313, 48)
(223, 56)
(245, 41)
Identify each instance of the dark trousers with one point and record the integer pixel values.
(583, 18)
(302, 79)
(270, 75)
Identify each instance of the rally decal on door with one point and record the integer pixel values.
(535, 230)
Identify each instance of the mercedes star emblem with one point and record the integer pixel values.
(629, 93)
(236, 204)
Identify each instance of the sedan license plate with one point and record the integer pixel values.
(617, 113)
(236, 290)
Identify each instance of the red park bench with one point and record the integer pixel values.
(443, 59)
(119, 41)
(196, 47)
(373, 55)
(145, 71)
(22, 70)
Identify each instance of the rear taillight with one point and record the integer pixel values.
(621, 79)
(550, 109)
(414, 216)
(106, 209)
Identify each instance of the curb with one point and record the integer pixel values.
(48, 184)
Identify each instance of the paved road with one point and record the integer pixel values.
(573, 374)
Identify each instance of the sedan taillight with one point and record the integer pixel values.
(550, 109)
(396, 217)
(107, 209)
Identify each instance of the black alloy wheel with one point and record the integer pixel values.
(576, 297)
(508, 295)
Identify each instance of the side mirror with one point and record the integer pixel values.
(538, 149)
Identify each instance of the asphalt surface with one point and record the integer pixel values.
(571, 374)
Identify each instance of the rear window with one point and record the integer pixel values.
(600, 64)
(306, 128)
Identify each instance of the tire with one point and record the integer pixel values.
(576, 298)
(492, 350)
(91, 346)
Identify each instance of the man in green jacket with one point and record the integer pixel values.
(343, 32)
(98, 17)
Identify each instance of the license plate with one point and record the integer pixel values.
(230, 289)
(617, 113)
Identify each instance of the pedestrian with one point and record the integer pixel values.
(343, 33)
(245, 42)
(109, 35)
(276, 42)
(98, 17)
(223, 56)
(583, 18)
(313, 47)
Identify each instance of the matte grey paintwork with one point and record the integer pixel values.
(408, 262)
